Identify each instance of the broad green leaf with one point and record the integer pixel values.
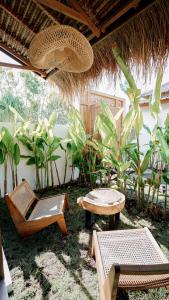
(147, 128)
(7, 140)
(105, 109)
(155, 105)
(125, 166)
(138, 123)
(118, 114)
(166, 177)
(2, 106)
(54, 157)
(167, 121)
(145, 162)
(92, 144)
(124, 68)
(52, 119)
(2, 156)
(26, 142)
(133, 155)
(128, 124)
(31, 161)
(164, 146)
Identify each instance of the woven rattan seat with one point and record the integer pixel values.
(129, 259)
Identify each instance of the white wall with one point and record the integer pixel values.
(28, 172)
(150, 122)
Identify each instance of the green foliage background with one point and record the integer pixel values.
(30, 95)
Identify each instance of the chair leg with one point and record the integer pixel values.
(122, 295)
(66, 202)
(62, 225)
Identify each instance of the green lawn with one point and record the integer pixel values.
(48, 266)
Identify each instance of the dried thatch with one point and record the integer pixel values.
(143, 39)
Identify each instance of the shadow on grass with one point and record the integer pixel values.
(46, 255)
(24, 253)
(160, 230)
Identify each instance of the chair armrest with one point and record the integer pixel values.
(143, 269)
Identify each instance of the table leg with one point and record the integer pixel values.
(117, 218)
(111, 222)
(114, 221)
(88, 219)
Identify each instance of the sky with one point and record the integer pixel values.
(108, 87)
(7, 59)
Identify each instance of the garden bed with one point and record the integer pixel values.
(47, 266)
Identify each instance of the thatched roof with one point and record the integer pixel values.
(140, 28)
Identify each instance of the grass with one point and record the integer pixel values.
(47, 266)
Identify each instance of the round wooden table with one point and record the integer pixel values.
(103, 201)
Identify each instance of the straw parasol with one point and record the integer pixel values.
(139, 27)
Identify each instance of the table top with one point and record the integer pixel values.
(104, 196)
(103, 201)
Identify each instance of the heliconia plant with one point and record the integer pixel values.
(134, 119)
(84, 149)
(10, 154)
(112, 147)
(42, 145)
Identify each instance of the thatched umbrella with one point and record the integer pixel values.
(139, 27)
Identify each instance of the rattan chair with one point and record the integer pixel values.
(43, 212)
(130, 260)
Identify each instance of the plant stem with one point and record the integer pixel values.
(138, 170)
(5, 176)
(57, 173)
(16, 176)
(51, 171)
(37, 178)
(64, 180)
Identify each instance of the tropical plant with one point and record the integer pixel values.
(34, 143)
(9, 152)
(51, 144)
(134, 119)
(84, 150)
(112, 148)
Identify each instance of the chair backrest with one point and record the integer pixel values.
(22, 197)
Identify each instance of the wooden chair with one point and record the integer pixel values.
(129, 260)
(44, 211)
